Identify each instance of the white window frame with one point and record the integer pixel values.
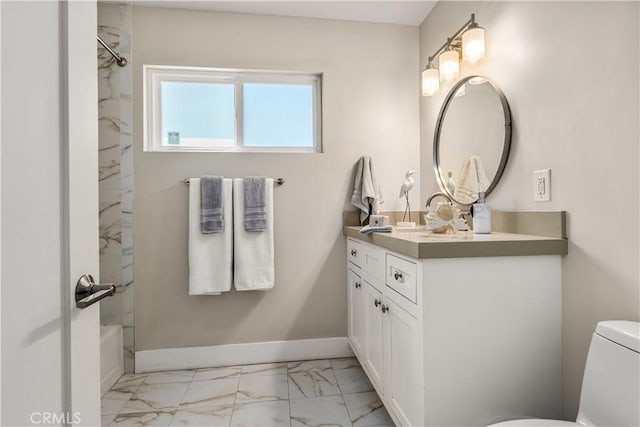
(153, 75)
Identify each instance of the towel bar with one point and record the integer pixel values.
(276, 182)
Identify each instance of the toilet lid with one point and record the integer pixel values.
(534, 422)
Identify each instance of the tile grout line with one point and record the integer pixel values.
(342, 396)
(235, 398)
(289, 394)
(182, 398)
(133, 392)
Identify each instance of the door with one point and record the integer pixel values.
(83, 348)
(49, 180)
(356, 324)
(373, 321)
(403, 367)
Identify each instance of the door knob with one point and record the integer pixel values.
(88, 292)
(358, 284)
(397, 275)
(376, 302)
(384, 308)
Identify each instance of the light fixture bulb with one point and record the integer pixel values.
(449, 62)
(473, 44)
(430, 81)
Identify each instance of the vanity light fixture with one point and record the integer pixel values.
(473, 43)
(430, 80)
(449, 62)
(469, 40)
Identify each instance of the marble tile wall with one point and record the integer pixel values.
(116, 172)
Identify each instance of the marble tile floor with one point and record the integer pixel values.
(332, 392)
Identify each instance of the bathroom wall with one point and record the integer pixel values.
(116, 172)
(370, 106)
(570, 73)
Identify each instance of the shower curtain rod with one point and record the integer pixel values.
(120, 60)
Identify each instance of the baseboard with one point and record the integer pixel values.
(241, 354)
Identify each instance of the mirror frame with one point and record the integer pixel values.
(506, 144)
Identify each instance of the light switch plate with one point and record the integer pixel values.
(542, 185)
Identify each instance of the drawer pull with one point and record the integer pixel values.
(354, 252)
(384, 308)
(358, 284)
(397, 275)
(376, 302)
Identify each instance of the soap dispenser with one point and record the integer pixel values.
(481, 216)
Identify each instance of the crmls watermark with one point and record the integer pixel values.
(55, 418)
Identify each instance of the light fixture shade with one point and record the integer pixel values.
(449, 62)
(473, 44)
(430, 81)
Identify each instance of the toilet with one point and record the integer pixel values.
(611, 384)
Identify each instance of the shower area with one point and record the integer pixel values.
(115, 191)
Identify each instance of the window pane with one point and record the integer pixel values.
(197, 114)
(277, 115)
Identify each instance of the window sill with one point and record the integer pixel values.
(281, 150)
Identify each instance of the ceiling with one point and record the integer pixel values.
(390, 12)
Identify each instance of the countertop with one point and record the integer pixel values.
(419, 243)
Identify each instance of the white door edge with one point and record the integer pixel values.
(79, 103)
(0, 222)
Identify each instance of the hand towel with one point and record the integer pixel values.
(253, 252)
(471, 181)
(210, 255)
(368, 229)
(211, 215)
(366, 193)
(255, 218)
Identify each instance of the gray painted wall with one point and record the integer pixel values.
(370, 105)
(570, 73)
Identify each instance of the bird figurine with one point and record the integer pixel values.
(407, 185)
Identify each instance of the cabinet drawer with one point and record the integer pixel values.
(373, 262)
(401, 277)
(354, 252)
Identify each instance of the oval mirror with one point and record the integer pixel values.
(472, 139)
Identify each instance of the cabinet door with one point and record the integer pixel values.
(373, 324)
(356, 329)
(403, 367)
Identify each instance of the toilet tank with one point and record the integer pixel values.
(611, 385)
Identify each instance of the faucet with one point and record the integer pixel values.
(465, 215)
(434, 195)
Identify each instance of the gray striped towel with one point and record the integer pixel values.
(211, 217)
(255, 216)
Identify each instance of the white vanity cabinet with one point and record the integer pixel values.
(373, 356)
(457, 341)
(402, 359)
(356, 301)
(387, 340)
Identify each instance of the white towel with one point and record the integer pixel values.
(210, 255)
(366, 192)
(471, 181)
(253, 251)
